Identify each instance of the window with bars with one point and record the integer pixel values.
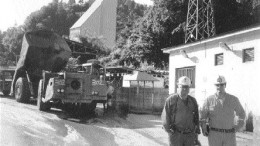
(219, 59)
(248, 55)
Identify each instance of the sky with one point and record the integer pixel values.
(14, 12)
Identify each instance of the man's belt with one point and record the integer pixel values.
(173, 128)
(223, 130)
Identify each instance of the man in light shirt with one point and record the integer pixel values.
(218, 115)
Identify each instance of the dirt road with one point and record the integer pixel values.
(23, 124)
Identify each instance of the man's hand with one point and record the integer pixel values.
(205, 129)
(197, 129)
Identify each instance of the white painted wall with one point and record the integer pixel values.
(242, 78)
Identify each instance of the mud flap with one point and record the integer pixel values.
(40, 104)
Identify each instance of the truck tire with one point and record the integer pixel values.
(22, 91)
(6, 92)
(40, 104)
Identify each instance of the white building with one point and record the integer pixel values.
(99, 21)
(235, 55)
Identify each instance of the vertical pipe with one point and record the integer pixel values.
(143, 96)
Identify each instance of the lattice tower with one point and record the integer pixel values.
(200, 20)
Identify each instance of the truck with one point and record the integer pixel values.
(6, 76)
(41, 74)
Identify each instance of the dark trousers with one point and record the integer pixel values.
(178, 139)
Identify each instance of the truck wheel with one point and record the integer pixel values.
(40, 104)
(22, 90)
(6, 92)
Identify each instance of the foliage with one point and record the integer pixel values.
(231, 15)
(154, 32)
(249, 122)
(128, 12)
(11, 45)
(56, 16)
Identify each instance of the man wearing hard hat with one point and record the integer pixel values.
(180, 116)
(217, 116)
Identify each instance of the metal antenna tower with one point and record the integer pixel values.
(200, 20)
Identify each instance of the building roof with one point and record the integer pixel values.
(140, 76)
(211, 39)
(87, 14)
(117, 69)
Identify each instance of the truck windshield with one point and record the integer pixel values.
(94, 69)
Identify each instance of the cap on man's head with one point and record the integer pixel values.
(220, 80)
(184, 80)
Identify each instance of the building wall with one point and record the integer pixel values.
(242, 78)
(108, 24)
(91, 27)
(102, 23)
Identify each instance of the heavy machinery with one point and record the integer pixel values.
(6, 76)
(41, 74)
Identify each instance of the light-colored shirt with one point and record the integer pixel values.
(221, 111)
(185, 114)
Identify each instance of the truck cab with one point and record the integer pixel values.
(83, 87)
(6, 77)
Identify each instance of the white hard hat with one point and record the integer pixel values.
(184, 80)
(220, 80)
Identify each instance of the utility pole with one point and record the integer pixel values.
(200, 20)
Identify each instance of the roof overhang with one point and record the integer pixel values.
(197, 43)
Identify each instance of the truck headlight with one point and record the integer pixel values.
(61, 90)
(94, 93)
(58, 90)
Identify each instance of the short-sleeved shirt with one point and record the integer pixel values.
(221, 112)
(183, 117)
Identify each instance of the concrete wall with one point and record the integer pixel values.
(242, 78)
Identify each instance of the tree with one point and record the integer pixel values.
(128, 12)
(56, 16)
(12, 43)
(249, 122)
(71, 2)
(231, 15)
(154, 32)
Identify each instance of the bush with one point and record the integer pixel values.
(122, 110)
(249, 122)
